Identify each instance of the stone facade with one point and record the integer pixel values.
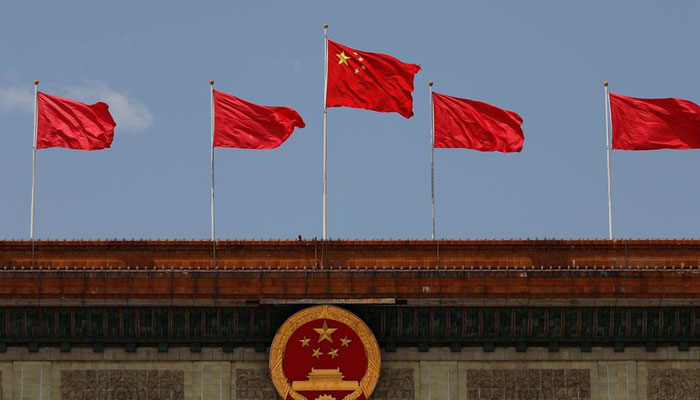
(395, 384)
(532, 383)
(407, 374)
(673, 384)
(254, 384)
(127, 384)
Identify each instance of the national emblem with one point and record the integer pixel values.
(316, 369)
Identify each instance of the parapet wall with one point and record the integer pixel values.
(598, 270)
(351, 254)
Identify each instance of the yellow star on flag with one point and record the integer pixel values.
(324, 332)
(343, 58)
(317, 353)
(304, 341)
(345, 341)
(333, 353)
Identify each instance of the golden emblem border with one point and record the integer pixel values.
(279, 343)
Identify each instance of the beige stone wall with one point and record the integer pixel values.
(406, 374)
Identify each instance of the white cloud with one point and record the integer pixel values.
(128, 112)
(16, 98)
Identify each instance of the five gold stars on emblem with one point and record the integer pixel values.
(317, 353)
(333, 353)
(325, 333)
(343, 59)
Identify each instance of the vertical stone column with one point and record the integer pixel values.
(439, 380)
(618, 380)
(29, 380)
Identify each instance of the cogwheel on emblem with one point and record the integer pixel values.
(325, 397)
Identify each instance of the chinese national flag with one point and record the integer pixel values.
(371, 81)
(67, 123)
(652, 124)
(469, 124)
(245, 125)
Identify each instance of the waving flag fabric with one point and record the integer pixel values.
(371, 81)
(68, 123)
(242, 124)
(652, 124)
(469, 124)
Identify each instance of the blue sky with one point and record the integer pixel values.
(152, 62)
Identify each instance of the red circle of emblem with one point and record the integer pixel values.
(324, 353)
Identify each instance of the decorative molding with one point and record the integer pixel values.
(396, 325)
(255, 384)
(529, 384)
(122, 384)
(395, 384)
(673, 384)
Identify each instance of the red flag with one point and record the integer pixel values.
(469, 124)
(372, 81)
(242, 124)
(652, 124)
(68, 123)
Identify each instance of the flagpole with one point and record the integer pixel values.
(608, 123)
(432, 154)
(325, 124)
(36, 122)
(213, 231)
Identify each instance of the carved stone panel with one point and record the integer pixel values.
(122, 384)
(255, 384)
(673, 384)
(395, 384)
(528, 384)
